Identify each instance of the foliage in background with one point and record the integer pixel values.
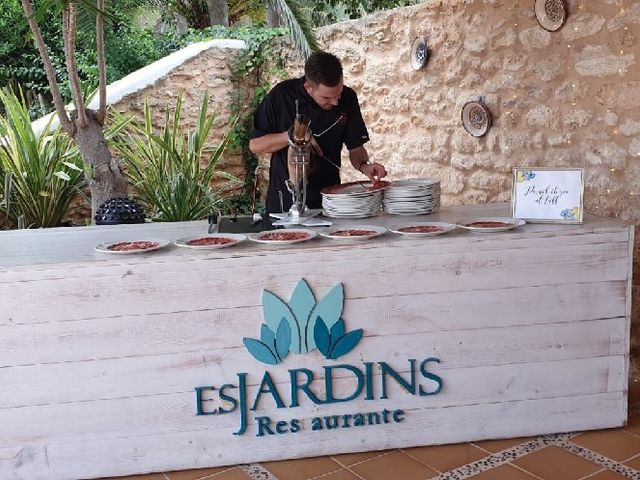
(128, 47)
(250, 76)
(40, 174)
(326, 12)
(166, 170)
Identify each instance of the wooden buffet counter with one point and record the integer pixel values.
(122, 364)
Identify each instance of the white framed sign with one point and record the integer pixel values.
(553, 195)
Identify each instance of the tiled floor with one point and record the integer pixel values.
(600, 455)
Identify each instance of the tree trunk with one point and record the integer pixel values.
(106, 179)
(273, 18)
(218, 12)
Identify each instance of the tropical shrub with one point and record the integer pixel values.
(172, 173)
(41, 173)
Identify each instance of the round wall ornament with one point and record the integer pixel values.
(476, 118)
(419, 53)
(551, 14)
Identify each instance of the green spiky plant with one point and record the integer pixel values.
(41, 172)
(172, 172)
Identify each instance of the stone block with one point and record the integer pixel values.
(548, 68)
(535, 38)
(543, 116)
(599, 61)
(607, 154)
(630, 128)
(634, 148)
(577, 119)
(626, 17)
(582, 25)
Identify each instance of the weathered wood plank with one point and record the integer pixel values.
(208, 329)
(245, 254)
(80, 381)
(157, 413)
(207, 285)
(129, 454)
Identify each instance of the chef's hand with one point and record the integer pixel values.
(374, 171)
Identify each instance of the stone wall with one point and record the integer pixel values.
(209, 71)
(565, 99)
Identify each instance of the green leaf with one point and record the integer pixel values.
(62, 175)
(260, 351)
(338, 329)
(274, 310)
(283, 339)
(267, 336)
(345, 344)
(302, 303)
(329, 307)
(322, 337)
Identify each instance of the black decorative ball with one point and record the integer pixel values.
(119, 210)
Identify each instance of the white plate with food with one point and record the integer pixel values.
(491, 224)
(131, 247)
(212, 241)
(358, 232)
(423, 229)
(283, 237)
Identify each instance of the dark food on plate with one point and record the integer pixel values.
(127, 246)
(353, 233)
(283, 236)
(421, 229)
(209, 241)
(489, 224)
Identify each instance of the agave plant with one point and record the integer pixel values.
(302, 325)
(166, 170)
(41, 173)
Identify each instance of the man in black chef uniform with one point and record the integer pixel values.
(335, 120)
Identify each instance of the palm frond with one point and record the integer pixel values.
(41, 175)
(293, 14)
(172, 172)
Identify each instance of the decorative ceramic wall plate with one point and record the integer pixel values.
(419, 53)
(128, 248)
(551, 14)
(476, 118)
(208, 242)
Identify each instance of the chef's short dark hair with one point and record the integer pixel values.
(323, 68)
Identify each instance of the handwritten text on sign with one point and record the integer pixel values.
(548, 194)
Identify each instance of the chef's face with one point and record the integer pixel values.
(326, 97)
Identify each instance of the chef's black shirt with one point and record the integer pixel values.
(342, 124)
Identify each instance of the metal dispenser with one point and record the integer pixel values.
(298, 160)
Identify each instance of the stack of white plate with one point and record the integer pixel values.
(413, 196)
(353, 200)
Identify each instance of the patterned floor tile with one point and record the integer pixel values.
(302, 468)
(554, 463)
(195, 474)
(615, 444)
(395, 465)
(495, 446)
(504, 472)
(447, 457)
(348, 459)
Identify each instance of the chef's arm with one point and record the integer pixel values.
(269, 143)
(360, 160)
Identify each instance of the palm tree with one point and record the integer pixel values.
(85, 126)
(291, 13)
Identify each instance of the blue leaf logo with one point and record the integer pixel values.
(302, 325)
